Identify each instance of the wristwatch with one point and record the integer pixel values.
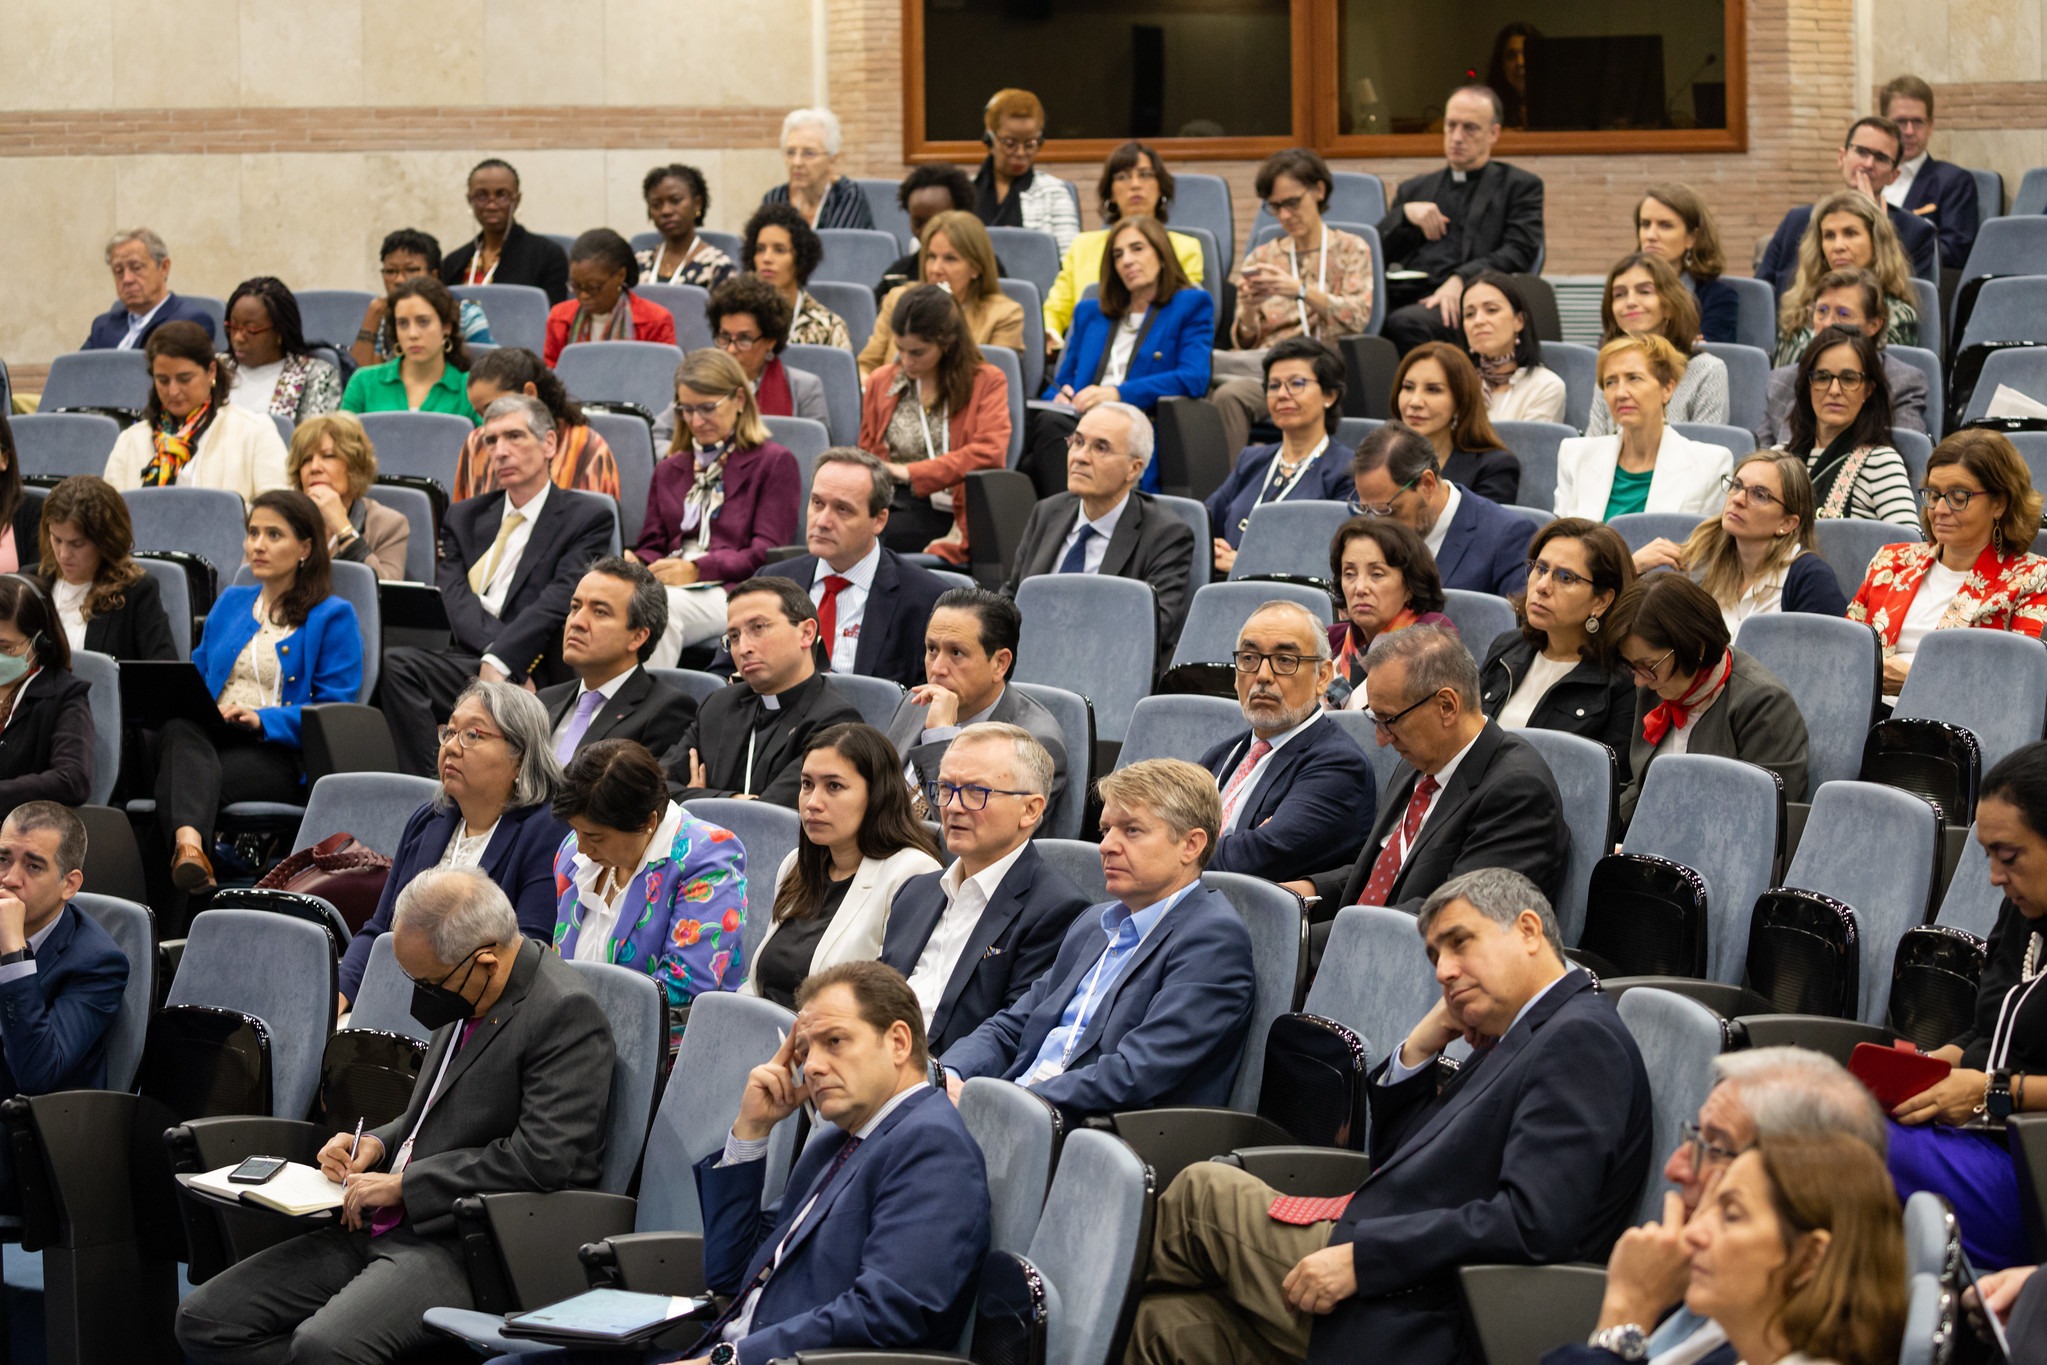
(724, 1353)
(1628, 1341)
(1997, 1099)
(18, 955)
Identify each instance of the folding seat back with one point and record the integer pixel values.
(1748, 379)
(132, 927)
(371, 806)
(1020, 1136)
(637, 1010)
(1834, 668)
(638, 372)
(1027, 254)
(1875, 849)
(875, 698)
(1734, 853)
(1064, 818)
(517, 313)
(1678, 1040)
(1091, 1247)
(1934, 980)
(1645, 916)
(1805, 954)
(1061, 644)
(61, 444)
(768, 834)
(1178, 727)
(1588, 779)
(855, 305)
(425, 445)
(1217, 614)
(1480, 617)
(1536, 444)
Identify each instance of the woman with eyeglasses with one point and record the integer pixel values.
(1438, 396)
(1975, 568)
(643, 883)
(725, 495)
(46, 731)
(1561, 669)
(1500, 335)
(276, 372)
(497, 774)
(1645, 466)
(582, 457)
(749, 321)
(503, 251)
(1695, 692)
(815, 189)
(1645, 298)
(783, 251)
(602, 305)
(1009, 188)
(1761, 554)
(1852, 299)
(1847, 231)
(1841, 428)
(1135, 183)
(1389, 582)
(860, 842)
(1304, 393)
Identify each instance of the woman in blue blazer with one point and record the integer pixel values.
(267, 650)
(1149, 333)
(1304, 396)
(498, 777)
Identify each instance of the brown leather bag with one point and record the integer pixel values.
(348, 875)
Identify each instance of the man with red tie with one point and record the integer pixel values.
(1478, 796)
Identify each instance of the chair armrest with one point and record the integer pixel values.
(1171, 1140)
(647, 1263)
(1310, 1172)
(521, 1247)
(217, 1237)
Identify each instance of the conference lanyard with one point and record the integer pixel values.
(696, 244)
(404, 1157)
(1321, 273)
(471, 276)
(1293, 481)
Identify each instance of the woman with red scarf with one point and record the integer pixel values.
(1696, 693)
(1389, 582)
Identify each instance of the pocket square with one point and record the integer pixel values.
(1301, 1212)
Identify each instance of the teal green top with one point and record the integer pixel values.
(1630, 491)
(377, 388)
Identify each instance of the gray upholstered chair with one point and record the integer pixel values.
(1735, 851)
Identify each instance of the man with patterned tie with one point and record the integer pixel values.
(510, 561)
(878, 1237)
(616, 616)
(1477, 795)
(1297, 792)
(1533, 1151)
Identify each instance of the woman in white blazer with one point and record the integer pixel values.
(860, 842)
(190, 436)
(1645, 466)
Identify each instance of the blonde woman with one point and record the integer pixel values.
(1760, 554)
(332, 462)
(1847, 232)
(957, 255)
(1645, 466)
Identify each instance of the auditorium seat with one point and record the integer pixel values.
(1184, 727)
(118, 380)
(1737, 441)
(1289, 540)
(517, 313)
(1027, 254)
(1519, 1313)
(804, 437)
(885, 207)
(1019, 1136)
(1755, 319)
(1578, 367)
(1748, 380)
(1992, 681)
(1080, 861)
(1639, 528)
(1926, 360)
(685, 303)
(373, 807)
(332, 316)
(1201, 200)
(2024, 369)
(632, 449)
(1678, 1040)
(203, 521)
(842, 389)
(1007, 361)
(1195, 514)
(1065, 818)
(1971, 903)
(1030, 297)
(2009, 308)
(425, 445)
(875, 698)
(1480, 617)
(61, 444)
(1736, 851)
(1848, 544)
(1588, 780)
(697, 686)
(1833, 668)
(1375, 977)
(854, 303)
(768, 833)
(1535, 443)
(639, 372)
(1062, 646)
(856, 255)
(1915, 448)
(422, 552)
(101, 673)
(1217, 614)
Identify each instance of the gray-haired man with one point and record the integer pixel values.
(141, 267)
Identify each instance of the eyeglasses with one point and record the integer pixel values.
(1649, 670)
(1381, 509)
(939, 795)
(802, 154)
(1851, 381)
(1283, 665)
(1016, 146)
(1296, 386)
(465, 740)
(1957, 499)
(1753, 492)
(1276, 207)
(702, 412)
(1388, 722)
(1872, 154)
(1098, 447)
(236, 329)
(728, 342)
(1824, 317)
(1701, 1148)
(752, 630)
(1564, 578)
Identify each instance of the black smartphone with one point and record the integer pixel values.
(256, 1170)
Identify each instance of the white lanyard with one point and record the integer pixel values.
(455, 1044)
(1300, 472)
(1086, 1016)
(945, 425)
(1321, 273)
(746, 783)
(661, 253)
(469, 275)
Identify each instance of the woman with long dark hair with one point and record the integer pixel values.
(103, 599)
(1841, 428)
(1499, 335)
(275, 371)
(190, 435)
(18, 516)
(432, 364)
(1134, 183)
(1437, 395)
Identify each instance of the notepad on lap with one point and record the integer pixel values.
(296, 1190)
(602, 1315)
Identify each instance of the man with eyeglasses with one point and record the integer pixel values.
(1297, 792)
(1478, 545)
(1762, 1094)
(1868, 160)
(748, 740)
(141, 267)
(1847, 298)
(503, 251)
(1102, 524)
(1009, 189)
(1938, 191)
(1478, 796)
(973, 938)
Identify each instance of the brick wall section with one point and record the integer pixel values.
(1801, 81)
(1989, 104)
(147, 132)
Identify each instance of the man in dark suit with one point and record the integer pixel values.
(510, 561)
(1534, 1151)
(878, 600)
(1101, 524)
(616, 616)
(748, 740)
(511, 254)
(878, 1237)
(969, 647)
(141, 265)
(1479, 546)
(1926, 188)
(1149, 1001)
(1869, 160)
(1296, 790)
(973, 938)
(513, 1095)
(61, 976)
(1478, 796)
(1475, 214)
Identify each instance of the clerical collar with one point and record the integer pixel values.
(1459, 176)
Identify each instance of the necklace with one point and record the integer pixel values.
(2031, 967)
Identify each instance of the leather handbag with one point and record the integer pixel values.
(340, 870)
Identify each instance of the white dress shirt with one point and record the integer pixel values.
(851, 604)
(965, 898)
(70, 600)
(609, 690)
(1250, 783)
(1441, 530)
(500, 585)
(1098, 548)
(1443, 776)
(1120, 348)
(136, 323)
(1397, 1070)
(1900, 189)
(600, 916)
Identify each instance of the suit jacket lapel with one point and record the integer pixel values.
(613, 713)
(1278, 776)
(1457, 539)
(539, 544)
(828, 1197)
(1046, 559)
(913, 918)
(1002, 909)
(1122, 548)
(1454, 795)
(1151, 315)
(1482, 184)
(499, 849)
(1105, 995)
(878, 617)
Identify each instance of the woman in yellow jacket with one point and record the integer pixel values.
(1134, 181)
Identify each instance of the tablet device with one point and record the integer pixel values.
(155, 692)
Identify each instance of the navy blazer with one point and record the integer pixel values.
(1169, 1030)
(519, 858)
(111, 327)
(1313, 803)
(879, 1262)
(321, 660)
(1534, 1153)
(1810, 586)
(899, 604)
(1015, 941)
(1327, 480)
(1951, 193)
(1492, 474)
(1719, 308)
(1486, 548)
(54, 1020)
(1916, 235)
(526, 634)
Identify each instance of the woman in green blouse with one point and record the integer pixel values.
(431, 370)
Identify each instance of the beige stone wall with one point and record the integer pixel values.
(1987, 62)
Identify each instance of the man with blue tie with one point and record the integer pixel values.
(616, 616)
(61, 976)
(1478, 545)
(858, 1252)
(1149, 1000)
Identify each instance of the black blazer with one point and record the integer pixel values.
(645, 709)
(1313, 803)
(1588, 701)
(528, 258)
(1502, 222)
(1494, 475)
(1015, 941)
(1150, 544)
(138, 629)
(46, 749)
(725, 725)
(572, 531)
(892, 628)
(1500, 809)
(1532, 1153)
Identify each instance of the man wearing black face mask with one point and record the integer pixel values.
(512, 1096)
